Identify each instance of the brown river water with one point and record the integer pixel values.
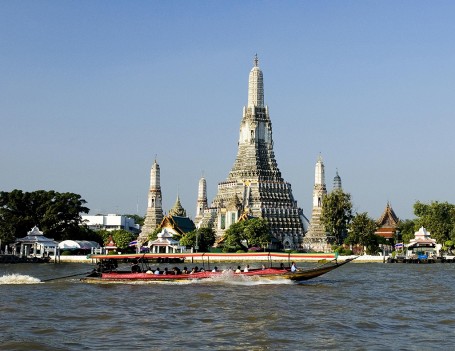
(360, 306)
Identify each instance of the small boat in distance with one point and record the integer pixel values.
(107, 271)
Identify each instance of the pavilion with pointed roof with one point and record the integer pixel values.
(165, 243)
(387, 223)
(36, 244)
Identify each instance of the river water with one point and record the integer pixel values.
(360, 306)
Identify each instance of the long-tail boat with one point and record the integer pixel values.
(107, 269)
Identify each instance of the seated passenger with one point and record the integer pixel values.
(293, 267)
(165, 271)
(135, 267)
(157, 271)
(193, 270)
(185, 270)
(238, 270)
(215, 269)
(247, 268)
(176, 270)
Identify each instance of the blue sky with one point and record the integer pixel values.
(91, 91)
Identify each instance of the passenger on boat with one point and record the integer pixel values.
(247, 268)
(238, 270)
(185, 270)
(215, 269)
(293, 267)
(135, 267)
(263, 267)
(157, 271)
(165, 271)
(193, 270)
(176, 270)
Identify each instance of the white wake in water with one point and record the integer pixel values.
(237, 279)
(18, 279)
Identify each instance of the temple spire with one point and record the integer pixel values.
(337, 182)
(154, 214)
(316, 237)
(319, 173)
(256, 86)
(201, 200)
(254, 186)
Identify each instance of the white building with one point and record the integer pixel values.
(111, 222)
(35, 244)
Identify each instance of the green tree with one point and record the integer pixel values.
(337, 214)
(121, 237)
(362, 231)
(257, 232)
(205, 239)
(244, 234)
(58, 215)
(438, 218)
(448, 246)
(407, 229)
(233, 237)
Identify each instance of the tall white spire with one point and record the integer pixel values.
(256, 125)
(202, 191)
(316, 237)
(256, 86)
(154, 214)
(319, 172)
(201, 200)
(154, 198)
(254, 186)
(319, 183)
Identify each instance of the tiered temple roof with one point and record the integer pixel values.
(387, 223)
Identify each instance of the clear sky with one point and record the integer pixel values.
(91, 91)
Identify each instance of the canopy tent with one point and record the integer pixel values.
(78, 245)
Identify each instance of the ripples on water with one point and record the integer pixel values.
(357, 307)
